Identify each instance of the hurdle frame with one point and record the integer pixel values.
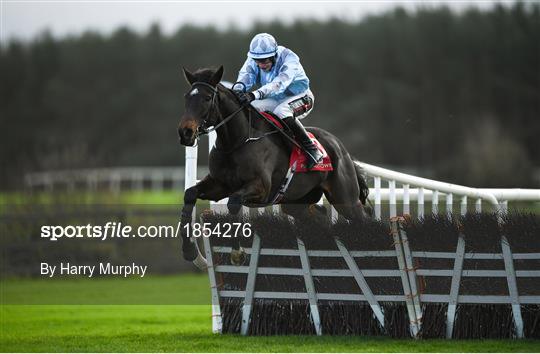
(423, 190)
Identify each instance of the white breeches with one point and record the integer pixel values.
(283, 108)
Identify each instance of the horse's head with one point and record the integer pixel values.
(201, 110)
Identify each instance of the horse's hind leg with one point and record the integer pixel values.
(343, 192)
(305, 205)
(306, 212)
(349, 208)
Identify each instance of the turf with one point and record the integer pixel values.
(165, 197)
(169, 328)
(186, 289)
(66, 328)
(102, 197)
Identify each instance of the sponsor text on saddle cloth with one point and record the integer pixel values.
(297, 155)
(300, 158)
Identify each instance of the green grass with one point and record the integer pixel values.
(14, 202)
(80, 197)
(172, 197)
(181, 329)
(167, 328)
(187, 289)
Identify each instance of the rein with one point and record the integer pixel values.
(203, 130)
(225, 120)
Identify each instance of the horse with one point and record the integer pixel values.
(249, 162)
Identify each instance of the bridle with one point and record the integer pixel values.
(203, 129)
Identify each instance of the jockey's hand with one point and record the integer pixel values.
(245, 98)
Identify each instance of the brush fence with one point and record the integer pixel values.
(447, 268)
(402, 191)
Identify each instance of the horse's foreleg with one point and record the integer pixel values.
(207, 189)
(252, 193)
(189, 250)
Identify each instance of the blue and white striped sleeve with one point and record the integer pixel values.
(287, 73)
(247, 74)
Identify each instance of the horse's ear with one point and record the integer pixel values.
(216, 78)
(189, 76)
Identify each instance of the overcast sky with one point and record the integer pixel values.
(24, 19)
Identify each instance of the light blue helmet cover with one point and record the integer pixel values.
(263, 45)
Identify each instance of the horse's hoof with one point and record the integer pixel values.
(207, 212)
(200, 262)
(238, 257)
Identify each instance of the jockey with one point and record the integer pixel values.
(282, 88)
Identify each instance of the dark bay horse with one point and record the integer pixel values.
(250, 172)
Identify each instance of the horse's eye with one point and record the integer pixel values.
(207, 98)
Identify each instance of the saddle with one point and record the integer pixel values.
(297, 160)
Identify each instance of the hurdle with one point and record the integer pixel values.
(411, 189)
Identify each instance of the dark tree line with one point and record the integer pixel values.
(456, 96)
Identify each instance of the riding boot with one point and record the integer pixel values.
(312, 152)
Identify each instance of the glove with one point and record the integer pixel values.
(245, 98)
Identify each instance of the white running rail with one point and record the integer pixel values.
(406, 189)
(420, 189)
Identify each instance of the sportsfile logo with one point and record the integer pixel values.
(110, 230)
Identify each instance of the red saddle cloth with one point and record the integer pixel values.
(298, 156)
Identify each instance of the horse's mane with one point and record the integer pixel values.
(205, 74)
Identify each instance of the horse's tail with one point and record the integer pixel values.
(364, 189)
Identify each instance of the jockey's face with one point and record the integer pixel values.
(264, 64)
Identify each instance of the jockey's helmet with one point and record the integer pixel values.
(263, 45)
